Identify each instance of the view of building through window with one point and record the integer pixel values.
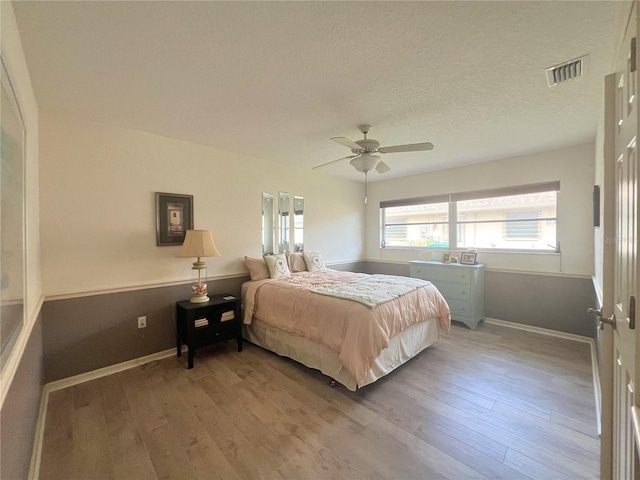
(511, 222)
(523, 222)
(425, 225)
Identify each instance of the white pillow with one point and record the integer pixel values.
(314, 262)
(277, 264)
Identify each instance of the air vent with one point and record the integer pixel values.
(567, 71)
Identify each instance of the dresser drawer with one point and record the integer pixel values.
(446, 274)
(454, 291)
(459, 308)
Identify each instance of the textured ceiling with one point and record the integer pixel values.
(276, 80)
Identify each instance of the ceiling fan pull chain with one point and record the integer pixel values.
(365, 187)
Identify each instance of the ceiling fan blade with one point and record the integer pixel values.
(414, 147)
(334, 161)
(347, 143)
(382, 167)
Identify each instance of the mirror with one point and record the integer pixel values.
(284, 216)
(298, 224)
(267, 223)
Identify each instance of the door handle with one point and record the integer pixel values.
(602, 320)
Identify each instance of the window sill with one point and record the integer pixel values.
(463, 250)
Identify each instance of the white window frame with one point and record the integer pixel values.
(453, 222)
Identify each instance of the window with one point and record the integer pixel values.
(421, 225)
(522, 226)
(512, 218)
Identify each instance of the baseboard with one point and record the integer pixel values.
(542, 331)
(597, 389)
(36, 456)
(111, 369)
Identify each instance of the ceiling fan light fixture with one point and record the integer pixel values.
(363, 158)
(365, 162)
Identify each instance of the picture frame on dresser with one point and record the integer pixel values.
(446, 257)
(468, 258)
(174, 216)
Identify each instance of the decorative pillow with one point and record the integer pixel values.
(258, 269)
(296, 262)
(314, 262)
(277, 264)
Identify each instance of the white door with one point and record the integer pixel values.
(620, 262)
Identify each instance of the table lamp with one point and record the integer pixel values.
(199, 243)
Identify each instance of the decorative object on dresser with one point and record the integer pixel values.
(174, 216)
(468, 258)
(461, 285)
(446, 257)
(199, 243)
(203, 324)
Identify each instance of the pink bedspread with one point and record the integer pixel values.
(357, 332)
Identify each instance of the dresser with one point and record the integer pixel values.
(462, 286)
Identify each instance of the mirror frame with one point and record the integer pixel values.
(268, 227)
(284, 222)
(298, 223)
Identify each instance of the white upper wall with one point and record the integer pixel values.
(98, 220)
(573, 167)
(98, 206)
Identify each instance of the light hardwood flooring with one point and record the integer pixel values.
(491, 403)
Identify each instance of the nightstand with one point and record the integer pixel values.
(201, 324)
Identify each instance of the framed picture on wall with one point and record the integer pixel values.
(468, 258)
(174, 216)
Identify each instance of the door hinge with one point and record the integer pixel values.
(632, 66)
(632, 313)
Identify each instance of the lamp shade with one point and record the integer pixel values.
(199, 243)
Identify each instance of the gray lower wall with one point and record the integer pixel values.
(20, 410)
(547, 301)
(87, 333)
(359, 267)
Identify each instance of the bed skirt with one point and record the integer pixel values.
(402, 347)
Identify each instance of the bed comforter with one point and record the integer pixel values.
(356, 331)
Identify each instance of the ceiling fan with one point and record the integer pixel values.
(363, 158)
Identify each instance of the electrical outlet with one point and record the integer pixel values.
(142, 322)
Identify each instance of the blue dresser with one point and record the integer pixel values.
(462, 286)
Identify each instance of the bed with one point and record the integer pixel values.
(353, 327)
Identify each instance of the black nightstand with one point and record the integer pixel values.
(200, 324)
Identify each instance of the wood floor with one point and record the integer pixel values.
(491, 403)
